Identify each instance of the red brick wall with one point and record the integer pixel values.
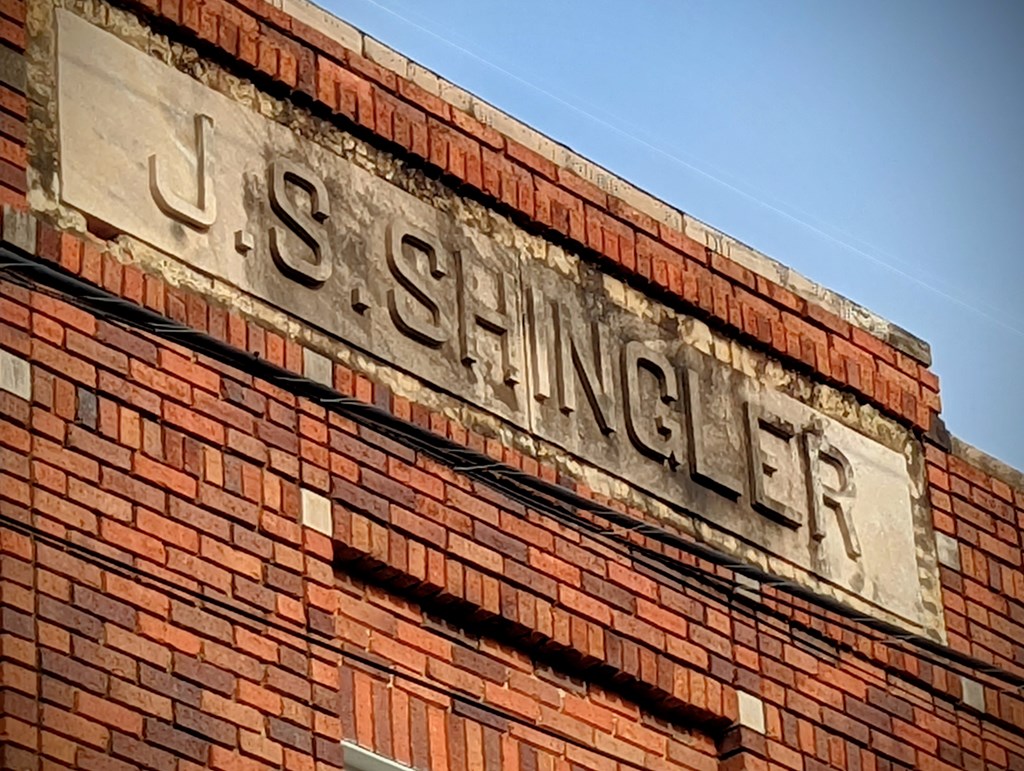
(165, 599)
(984, 600)
(162, 605)
(13, 106)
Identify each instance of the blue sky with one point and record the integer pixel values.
(876, 147)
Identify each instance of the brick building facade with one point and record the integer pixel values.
(292, 476)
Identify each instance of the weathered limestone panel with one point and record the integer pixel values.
(628, 394)
(243, 198)
(547, 344)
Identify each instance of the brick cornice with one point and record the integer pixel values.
(485, 163)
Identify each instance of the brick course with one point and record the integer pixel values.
(13, 105)
(425, 578)
(388, 107)
(162, 606)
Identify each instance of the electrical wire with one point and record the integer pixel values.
(515, 484)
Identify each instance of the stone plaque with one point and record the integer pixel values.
(547, 349)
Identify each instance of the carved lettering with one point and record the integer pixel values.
(653, 428)
(203, 213)
(538, 317)
(763, 467)
(426, 322)
(592, 367)
(359, 297)
(500, 321)
(838, 499)
(475, 308)
(703, 468)
(307, 226)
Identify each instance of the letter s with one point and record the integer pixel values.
(415, 310)
(308, 227)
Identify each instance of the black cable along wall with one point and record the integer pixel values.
(553, 500)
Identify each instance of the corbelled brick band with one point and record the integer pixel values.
(207, 562)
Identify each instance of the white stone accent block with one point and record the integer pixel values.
(751, 712)
(316, 512)
(359, 759)
(388, 58)
(947, 549)
(425, 79)
(973, 693)
(747, 582)
(748, 587)
(318, 367)
(325, 22)
(15, 376)
(455, 96)
(20, 228)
